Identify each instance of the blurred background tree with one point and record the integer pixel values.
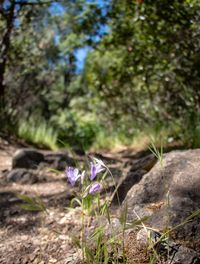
(96, 71)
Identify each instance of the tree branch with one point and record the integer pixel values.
(22, 3)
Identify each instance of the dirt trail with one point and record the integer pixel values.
(6, 153)
(27, 237)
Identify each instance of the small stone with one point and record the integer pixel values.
(53, 260)
(27, 158)
(63, 220)
(143, 236)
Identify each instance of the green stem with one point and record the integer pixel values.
(82, 236)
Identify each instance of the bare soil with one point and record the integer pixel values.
(39, 238)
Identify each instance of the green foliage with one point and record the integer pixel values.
(109, 139)
(141, 71)
(76, 129)
(146, 69)
(32, 204)
(191, 132)
(158, 153)
(38, 131)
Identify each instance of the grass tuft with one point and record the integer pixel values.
(38, 132)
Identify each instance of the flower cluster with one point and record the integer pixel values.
(96, 167)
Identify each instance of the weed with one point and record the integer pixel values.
(38, 132)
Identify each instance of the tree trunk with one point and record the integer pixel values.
(5, 44)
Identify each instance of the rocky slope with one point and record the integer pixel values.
(166, 193)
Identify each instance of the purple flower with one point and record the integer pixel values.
(95, 168)
(99, 162)
(95, 187)
(72, 175)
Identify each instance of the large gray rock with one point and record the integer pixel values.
(168, 194)
(27, 158)
(139, 167)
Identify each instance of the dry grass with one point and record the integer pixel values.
(138, 253)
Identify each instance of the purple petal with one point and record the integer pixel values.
(96, 187)
(99, 168)
(95, 169)
(72, 175)
(92, 171)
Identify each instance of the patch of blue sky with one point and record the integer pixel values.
(6, 4)
(101, 3)
(56, 9)
(81, 55)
